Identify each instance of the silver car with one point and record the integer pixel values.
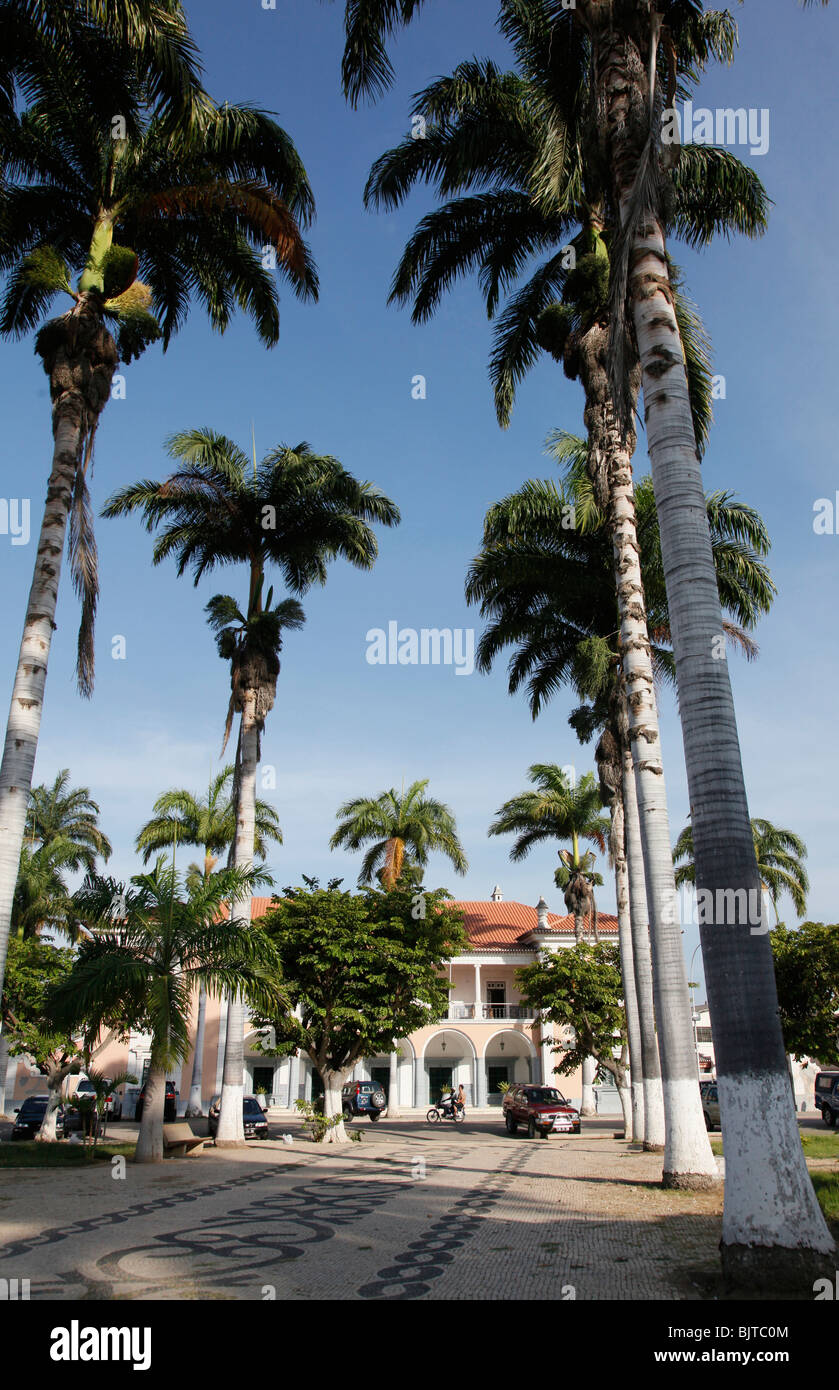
(710, 1104)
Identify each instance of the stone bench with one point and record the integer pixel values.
(180, 1138)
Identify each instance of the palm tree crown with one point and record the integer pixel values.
(405, 827)
(208, 822)
(70, 814)
(779, 860)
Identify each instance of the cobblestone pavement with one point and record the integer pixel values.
(409, 1213)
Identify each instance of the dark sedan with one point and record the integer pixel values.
(253, 1117)
(30, 1115)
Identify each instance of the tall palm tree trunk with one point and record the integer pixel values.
(773, 1228)
(230, 1121)
(654, 1127)
(4, 1071)
(688, 1160)
(195, 1104)
(80, 358)
(635, 1127)
(150, 1138)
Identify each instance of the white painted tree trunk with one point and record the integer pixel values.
(25, 711)
(626, 1097)
(150, 1138)
(653, 1134)
(393, 1112)
(333, 1081)
(195, 1104)
(589, 1070)
(231, 1129)
(635, 1127)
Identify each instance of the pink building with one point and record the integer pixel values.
(488, 1035)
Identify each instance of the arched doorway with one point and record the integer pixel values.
(449, 1059)
(509, 1057)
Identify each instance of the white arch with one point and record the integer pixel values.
(516, 1034)
(457, 1033)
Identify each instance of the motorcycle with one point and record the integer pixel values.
(445, 1109)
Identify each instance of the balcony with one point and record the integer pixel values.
(487, 1013)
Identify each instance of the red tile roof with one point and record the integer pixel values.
(492, 926)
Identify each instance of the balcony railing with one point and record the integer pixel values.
(488, 1013)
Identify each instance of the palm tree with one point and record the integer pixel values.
(153, 34)
(779, 856)
(558, 810)
(42, 899)
(195, 206)
(296, 510)
(549, 594)
(67, 813)
(146, 966)
(404, 828)
(526, 138)
(209, 822)
(773, 1228)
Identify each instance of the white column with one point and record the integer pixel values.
(293, 1080)
(393, 1087)
(477, 970)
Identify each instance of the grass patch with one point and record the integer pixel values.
(827, 1191)
(29, 1154)
(814, 1145)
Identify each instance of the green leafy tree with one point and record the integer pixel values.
(297, 511)
(405, 828)
(581, 990)
(807, 974)
(780, 855)
(558, 810)
(132, 218)
(208, 822)
(33, 965)
(361, 971)
(153, 941)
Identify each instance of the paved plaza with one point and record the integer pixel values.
(412, 1212)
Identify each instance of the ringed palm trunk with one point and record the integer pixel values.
(773, 1230)
(4, 1071)
(80, 357)
(635, 1124)
(688, 1160)
(231, 1130)
(654, 1128)
(150, 1138)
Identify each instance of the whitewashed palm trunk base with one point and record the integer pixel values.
(195, 1104)
(774, 1233)
(6, 1083)
(635, 1128)
(589, 1070)
(150, 1138)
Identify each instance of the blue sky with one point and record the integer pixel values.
(341, 379)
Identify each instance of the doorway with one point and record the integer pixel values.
(496, 998)
(439, 1080)
(263, 1077)
(495, 1075)
(382, 1075)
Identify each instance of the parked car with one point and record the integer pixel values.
(543, 1109)
(710, 1103)
(170, 1104)
(253, 1117)
(826, 1093)
(362, 1098)
(29, 1117)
